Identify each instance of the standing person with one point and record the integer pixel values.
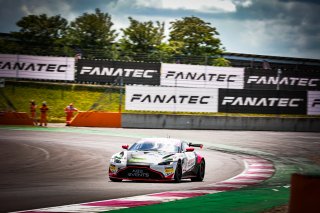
(43, 117)
(33, 112)
(69, 113)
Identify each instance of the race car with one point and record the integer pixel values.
(157, 159)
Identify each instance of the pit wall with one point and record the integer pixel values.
(161, 121)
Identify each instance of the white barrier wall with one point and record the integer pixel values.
(173, 99)
(183, 75)
(37, 67)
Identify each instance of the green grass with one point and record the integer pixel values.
(58, 96)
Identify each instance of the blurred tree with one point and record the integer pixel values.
(142, 37)
(198, 37)
(44, 34)
(93, 31)
(221, 62)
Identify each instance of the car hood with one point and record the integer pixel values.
(148, 157)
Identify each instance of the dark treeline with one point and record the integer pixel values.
(92, 35)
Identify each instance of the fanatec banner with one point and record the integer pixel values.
(262, 101)
(113, 71)
(313, 102)
(36, 67)
(172, 99)
(182, 75)
(282, 80)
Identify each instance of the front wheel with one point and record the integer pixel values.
(178, 173)
(201, 172)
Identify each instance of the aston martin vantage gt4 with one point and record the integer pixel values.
(157, 159)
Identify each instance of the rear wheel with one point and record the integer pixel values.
(201, 172)
(115, 179)
(178, 173)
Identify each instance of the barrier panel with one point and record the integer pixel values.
(109, 72)
(15, 118)
(305, 191)
(97, 119)
(293, 80)
(36, 67)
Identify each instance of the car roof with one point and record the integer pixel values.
(161, 140)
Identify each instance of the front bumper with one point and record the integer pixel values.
(137, 172)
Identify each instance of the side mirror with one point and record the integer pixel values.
(189, 149)
(125, 146)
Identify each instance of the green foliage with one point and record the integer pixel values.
(41, 29)
(92, 31)
(191, 40)
(198, 37)
(141, 37)
(9, 47)
(221, 62)
(46, 36)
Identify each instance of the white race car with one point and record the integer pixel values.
(157, 159)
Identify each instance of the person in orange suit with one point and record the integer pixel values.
(33, 112)
(43, 116)
(69, 113)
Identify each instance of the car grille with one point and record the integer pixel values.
(139, 172)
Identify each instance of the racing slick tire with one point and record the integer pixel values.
(178, 173)
(115, 179)
(200, 172)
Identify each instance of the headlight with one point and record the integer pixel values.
(165, 163)
(115, 160)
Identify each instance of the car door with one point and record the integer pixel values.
(189, 158)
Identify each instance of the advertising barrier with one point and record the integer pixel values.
(97, 119)
(183, 75)
(172, 99)
(36, 67)
(111, 71)
(313, 102)
(262, 101)
(281, 80)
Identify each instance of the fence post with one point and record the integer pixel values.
(120, 95)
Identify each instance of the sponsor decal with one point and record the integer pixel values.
(292, 81)
(110, 71)
(262, 101)
(201, 76)
(172, 99)
(138, 173)
(281, 80)
(169, 171)
(117, 72)
(313, 102)
(36, 67)
(254, 101)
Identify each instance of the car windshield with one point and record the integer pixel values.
(154, 146)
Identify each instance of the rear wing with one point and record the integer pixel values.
(196, 145)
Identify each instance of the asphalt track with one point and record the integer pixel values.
(43, 167)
